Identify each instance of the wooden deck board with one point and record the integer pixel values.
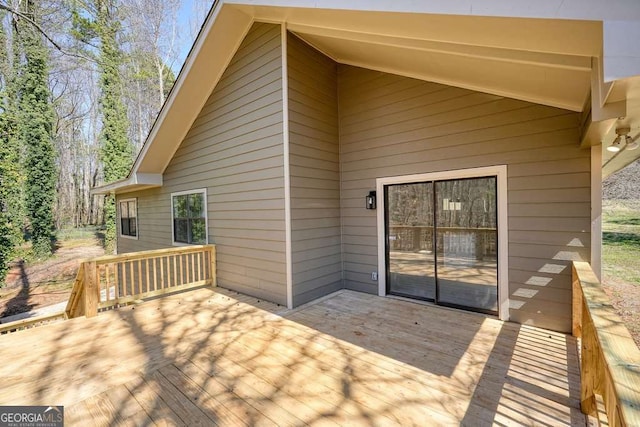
(215, 357)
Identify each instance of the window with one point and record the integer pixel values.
(189, 214)
(128, 218)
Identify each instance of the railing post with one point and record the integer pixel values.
(91, 291)
(588, 368)
(212, 256)
(576, 306)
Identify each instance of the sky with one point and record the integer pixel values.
(190, 18)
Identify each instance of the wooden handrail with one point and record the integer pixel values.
(31, 322)
(114, 280)
(610, 359)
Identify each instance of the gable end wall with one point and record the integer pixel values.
(234, 149)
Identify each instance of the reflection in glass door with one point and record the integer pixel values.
(442, 242)
(410, 256)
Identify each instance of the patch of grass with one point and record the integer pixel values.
(82, 233)
(621, 240)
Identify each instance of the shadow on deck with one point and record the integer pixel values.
(215, 357)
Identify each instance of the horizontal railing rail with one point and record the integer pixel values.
(115, 280)
(31, 322)
(609, 358)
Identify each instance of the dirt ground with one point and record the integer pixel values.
(34, 286)
(625, 298)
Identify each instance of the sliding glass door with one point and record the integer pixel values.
(442, 242)
(410, 249)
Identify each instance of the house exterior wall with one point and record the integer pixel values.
(314, 172)
(234, 149)
(392, 126)
(348, 126)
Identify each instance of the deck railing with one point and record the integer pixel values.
(610, 359)
(114, 280)
(31, 322)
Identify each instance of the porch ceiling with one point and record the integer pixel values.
(560, 85)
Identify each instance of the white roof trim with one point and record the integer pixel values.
(134, 182)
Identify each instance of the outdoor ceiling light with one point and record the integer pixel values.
(623, 140)
(616, 145)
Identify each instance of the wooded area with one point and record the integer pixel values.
(81, 83)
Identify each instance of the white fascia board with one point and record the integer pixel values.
(132, 183)
(112, 186)
(596, 10)
(182, 76)
(148, 178)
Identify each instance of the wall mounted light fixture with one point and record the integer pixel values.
(370, 200)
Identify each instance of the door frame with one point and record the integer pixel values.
(500, 172)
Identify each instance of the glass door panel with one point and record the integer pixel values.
(466, 243)
(409, 227)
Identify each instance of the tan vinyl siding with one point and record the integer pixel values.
(314, 172)
(391, 125)
(234, 149)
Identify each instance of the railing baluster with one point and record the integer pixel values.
(107, 281)
(175, 271)
(163, 279)
(198, 255)
(116, 280)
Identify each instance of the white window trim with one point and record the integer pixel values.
(119, 216)
(500, 172)
(206, 215)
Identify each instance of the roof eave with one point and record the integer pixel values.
(135, 182)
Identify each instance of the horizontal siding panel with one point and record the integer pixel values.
(325, 203)
(579, 225)
(317, 292)
(307, 256)
(315, 213)
(493, 127)
(304, 182)
(311, 172)
(536, 279)
(575, 165)
(410, 164)
(568, 210)
(263, 128)
(249, 225)
(301, 236)
(565, 238)
(263, 91)
(541, 265)
(316, 222)
(255, 234)
(551, 252)
(324, 276)
(566, 180)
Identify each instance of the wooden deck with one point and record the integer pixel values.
(214, 357)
